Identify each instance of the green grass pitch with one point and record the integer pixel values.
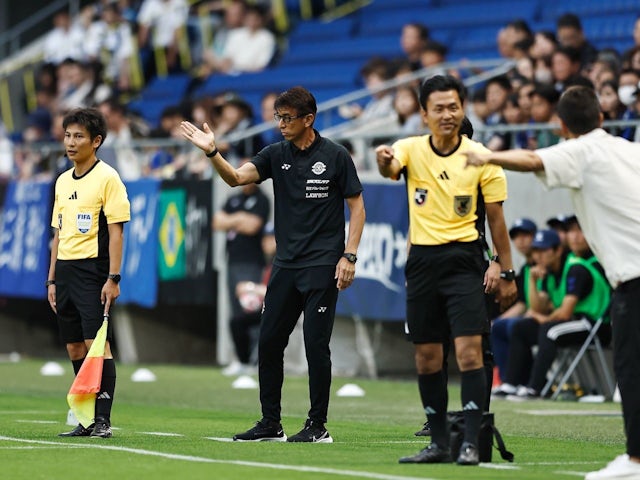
(176, 428)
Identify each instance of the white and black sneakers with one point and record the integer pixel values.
(313, 432)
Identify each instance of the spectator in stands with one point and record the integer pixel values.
(614, 109)
(379, 109)
(565, 65)
(542, 72)
(158, 25)
(267, 110)
(78, 86)
(249, 48)
(570, 34)
(66, 40)
(478, 111)
(521, 233)
(433, 54)
(628, 82)
(498, 90)
(407, 107)
(512, 33)
(413, 39)
(544, 44)
(236, 116)
(543, 110)
(243, 218)
(524, 99)
(109, 40)
(161, 161)
(512, 115)
(606, 67)
(119, 138)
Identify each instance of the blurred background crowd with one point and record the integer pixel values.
(149, 64)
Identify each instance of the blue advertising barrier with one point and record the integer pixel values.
(139, 272)
(378, 291)
(24, 239)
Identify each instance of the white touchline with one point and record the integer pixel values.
(244, 463)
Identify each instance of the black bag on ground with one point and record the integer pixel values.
(488, 432)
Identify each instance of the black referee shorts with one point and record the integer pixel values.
(78, 287)
(445, 294)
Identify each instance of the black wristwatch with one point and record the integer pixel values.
(115, 278)
(495, 258)
(351, 257)
(48, 283)
(508, 275)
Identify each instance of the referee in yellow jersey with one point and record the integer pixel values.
(445, 273)
(89, 211)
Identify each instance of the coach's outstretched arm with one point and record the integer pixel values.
(206, 141)
(518, 160)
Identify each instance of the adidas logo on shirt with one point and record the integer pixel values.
(104, 396)
(74, 196)
(443, 175)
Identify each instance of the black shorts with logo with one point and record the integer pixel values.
(78, 287)
(445, 292)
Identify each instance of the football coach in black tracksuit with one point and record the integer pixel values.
(312, 178)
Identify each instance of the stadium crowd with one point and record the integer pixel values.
(91, 60)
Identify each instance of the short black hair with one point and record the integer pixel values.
(579, 109)
(89, 118)
(441, 83)
(298, 98)
(547, 92)
(569, 20)
(573, 54)
(502, 81)
(423, 30)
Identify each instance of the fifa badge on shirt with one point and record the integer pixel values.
(462, 204)
(83, 222)
(420, 196)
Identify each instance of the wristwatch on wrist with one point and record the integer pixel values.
(115, 278)
(495, 258)
(48, 283)
(508, 275)
(351, 257)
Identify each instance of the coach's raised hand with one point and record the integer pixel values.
(475, 159)
(205, 140)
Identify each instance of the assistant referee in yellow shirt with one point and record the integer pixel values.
(445, 273)
(89, 211)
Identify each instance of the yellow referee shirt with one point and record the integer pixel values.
(442, 193)
(82, 209)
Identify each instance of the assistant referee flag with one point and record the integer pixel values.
(82, 394)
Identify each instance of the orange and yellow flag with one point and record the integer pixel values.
(82, 394)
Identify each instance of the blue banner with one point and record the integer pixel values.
(24, 239)
(139, 273)
(378, 291)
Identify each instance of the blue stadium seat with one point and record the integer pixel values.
(334, 74)
(607, 28)
(358, 50)
(318, 30)
(170, 86)
(584, 8)
(474, 14)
